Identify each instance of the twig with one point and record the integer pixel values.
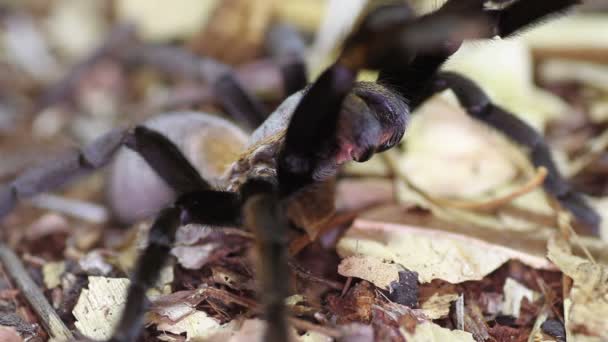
(595, 147)
(495, 203)
(299, 243)
(304, 274)
(49, 318)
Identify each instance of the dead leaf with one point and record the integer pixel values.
(438, 305)
(586, 307)
(479, 168)
(375, 270)
(433, 254)
(431, 332)
(51, 273)
(514, 293)
(194, 257)
(95, 263)
(99, 307)
(197, 326)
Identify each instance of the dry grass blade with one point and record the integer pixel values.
(495, 203)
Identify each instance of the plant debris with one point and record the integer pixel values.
(447, 237)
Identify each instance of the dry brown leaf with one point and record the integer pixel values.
(433, 254)
(586, 307)
(431, 332)
(234, 280)
(375, 270)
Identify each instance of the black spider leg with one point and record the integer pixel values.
(479, 106)
(196, 202)
(286, 46)
(207, 207)
(264, 213)
(229, 93)
(417, 81)
(60, 171)
(412, 79)
(164, 158)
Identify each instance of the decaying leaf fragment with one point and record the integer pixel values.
(431, 332)
(514, 293)
(51, 273)
(438, 305)
(586, 308)
(98, 309)
(432, 254)
(197, 325)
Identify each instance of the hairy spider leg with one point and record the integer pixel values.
(62, 170)
(287, 47)
(412, 79)
(227, 90)
(207, 207)
(479, 106)
(419, 80)
(283, 43)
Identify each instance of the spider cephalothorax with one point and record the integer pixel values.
(300, 146)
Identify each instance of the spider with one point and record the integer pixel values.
(321, 126)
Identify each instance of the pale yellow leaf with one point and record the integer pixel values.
(99, 307)
(438, 305)
(431, 332)
(51, 273)
(375, 270)
(431, 253)
(197, 325)
(164, 20)
(586, 307)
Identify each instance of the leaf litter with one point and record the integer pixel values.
(414, 253)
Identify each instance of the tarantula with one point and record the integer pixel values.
(321, 126)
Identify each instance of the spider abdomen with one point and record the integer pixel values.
(210, 143)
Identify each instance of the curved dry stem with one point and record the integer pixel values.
(497, 202)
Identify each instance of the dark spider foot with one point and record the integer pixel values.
(582, 211)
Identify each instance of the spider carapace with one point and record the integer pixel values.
(299, 147)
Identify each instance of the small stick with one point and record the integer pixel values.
(495, 203)
(304, 274)
(49, 318)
